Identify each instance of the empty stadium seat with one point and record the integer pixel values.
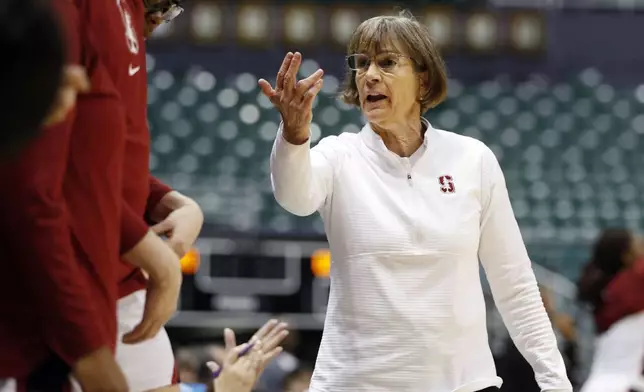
(569, 150)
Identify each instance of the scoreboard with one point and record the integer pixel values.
(243, 281)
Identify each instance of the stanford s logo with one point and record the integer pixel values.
(130, 33)
(447, 184)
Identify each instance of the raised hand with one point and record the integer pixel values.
(238, 371)
(293, 98)
(271, 334)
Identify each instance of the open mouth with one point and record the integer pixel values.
(376, 97)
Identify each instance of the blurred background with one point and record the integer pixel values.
(552, 86)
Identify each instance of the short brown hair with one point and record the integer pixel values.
(416, 41)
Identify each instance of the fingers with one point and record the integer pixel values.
(162, 227)
(255, 357)
(271, 334)
(155, 19)
(290, 77)
(214, 368)
(218, 353)
(309, 96)
(267, 357)
(64, 103)
(279, 83)
(266, 88)
(251, 360)
(275, 337)
(179, 246)
(235, 353)
(136, 335)
(278, 329)
(246, 356)
(264, 330)
(76, 77)
(229, 339)
(288, 91)
(155, 315)
(304, 85)
(146, 329)
(74, 80)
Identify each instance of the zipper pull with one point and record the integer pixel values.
(409, 178)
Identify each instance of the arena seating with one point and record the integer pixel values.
(570, 151)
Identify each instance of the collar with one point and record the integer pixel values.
(374, 141)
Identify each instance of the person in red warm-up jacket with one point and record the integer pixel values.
(64, 228)
(150, 364)
(612, 283)
(143, 347)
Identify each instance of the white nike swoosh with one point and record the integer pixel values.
(133, 70)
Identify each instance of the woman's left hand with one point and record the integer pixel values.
(238, 372)
(271, 334)
(269, 337)
(182, 227)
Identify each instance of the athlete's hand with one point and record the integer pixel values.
(160, 305)
(74, 81)
(181, 223)
(99, 372)
(293, 98)
(265, 347)
(162, 266)
(271, 335)
(238, 373)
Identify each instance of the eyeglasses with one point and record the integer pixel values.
(387, 62)
(169, 9)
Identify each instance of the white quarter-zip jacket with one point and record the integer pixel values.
(406, 311)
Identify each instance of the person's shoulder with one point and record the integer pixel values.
(349, 137)
(339, 141)
(453, 141)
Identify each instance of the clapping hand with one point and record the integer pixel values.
(238, 371)
(264, 347)
(293, 98)
(271, 335)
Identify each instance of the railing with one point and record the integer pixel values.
(236, 299)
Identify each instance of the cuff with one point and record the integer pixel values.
(286, 149)
(157, 191)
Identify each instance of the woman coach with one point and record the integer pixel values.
(408, 211)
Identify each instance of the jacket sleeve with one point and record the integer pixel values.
(133, 228)
(157, 190)
(301, 176)
(514, 286)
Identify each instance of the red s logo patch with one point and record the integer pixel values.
(447, 184)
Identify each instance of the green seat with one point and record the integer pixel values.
(570, 151)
